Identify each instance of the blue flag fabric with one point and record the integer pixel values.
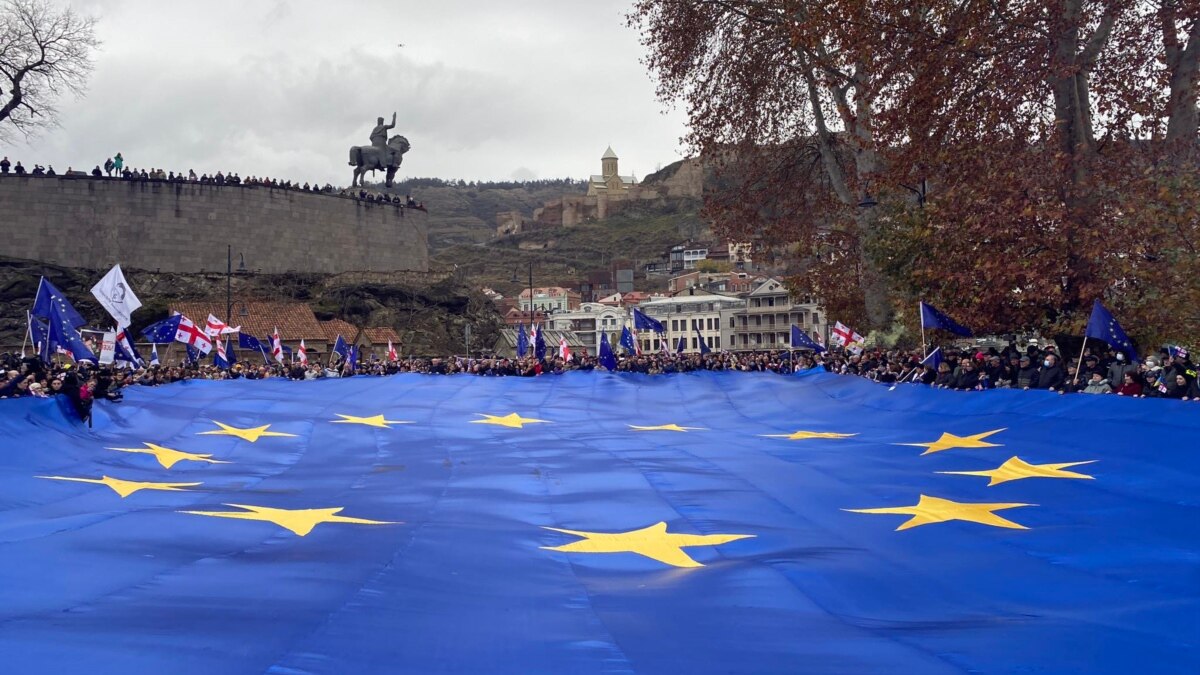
(522, 342)
(193, 354)
(60, 334)
(801, 340)
(931, 317)
(352, 361)
(643, 322)
(154, 355)
(934, 358)
(808, 523)
(704, 348)
(627, 342)
(539, 343)
(680, 345)
(606, 356)
(40, 334)
(341, 348)
(125, 352)
(162, 332)
(247, 341)
(50, 301)
(1103, 326)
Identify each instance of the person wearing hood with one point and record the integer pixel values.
(1097, 384)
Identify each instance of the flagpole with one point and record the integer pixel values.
(1080, 362)
(924, 346)
(28, 337)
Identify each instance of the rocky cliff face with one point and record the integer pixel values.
(429, 311)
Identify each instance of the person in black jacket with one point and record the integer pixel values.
(968, 377)
(1051, 375)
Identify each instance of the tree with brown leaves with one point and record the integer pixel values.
(1057, 138)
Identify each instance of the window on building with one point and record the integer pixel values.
(709, 323)
(731, 323)
(771, 338)
(718, 342)
(758, 321)
(674, 324)
(678, 309)
(816, 318)
(758, 338)
(710, 307)
(695, 345)
(770, 302)
(708, 341)
(755, 302)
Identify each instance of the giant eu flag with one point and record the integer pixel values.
(599, 523)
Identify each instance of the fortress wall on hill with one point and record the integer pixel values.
(185, 227)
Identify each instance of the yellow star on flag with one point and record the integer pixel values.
(949, 441)
(299, 521)
(929, 510)
(653, 542)
(168, 457)
(805, 435)
(126, 487)
(511, 420)
(376, 421)
(251, 434)
(1016, 469)
(665, 427)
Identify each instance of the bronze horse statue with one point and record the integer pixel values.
(366, 158)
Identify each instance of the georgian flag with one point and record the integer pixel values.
(217, 327)
(276, 346)
(564, 352)
(190, 334)
(392, 355)
(842, 335)
(302, 354)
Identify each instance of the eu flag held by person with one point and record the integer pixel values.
(643, 322)
(596, 522)
(931, 317)
(801, 340)
(1103, 326)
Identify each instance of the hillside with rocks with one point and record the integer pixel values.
(429, 311)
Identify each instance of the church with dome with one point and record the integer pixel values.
(610, 182)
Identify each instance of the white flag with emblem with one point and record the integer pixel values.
(116, 296)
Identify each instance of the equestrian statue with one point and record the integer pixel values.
(381, 155)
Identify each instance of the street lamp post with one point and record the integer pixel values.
(229, 280)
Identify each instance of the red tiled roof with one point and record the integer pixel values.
(295, 320)
(380, 336)
(336, 327)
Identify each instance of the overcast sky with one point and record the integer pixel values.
(484, 89)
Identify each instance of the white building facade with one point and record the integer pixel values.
(693, 317)
(588, 322)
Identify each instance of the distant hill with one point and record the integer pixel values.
(464, 213)
(564, 256)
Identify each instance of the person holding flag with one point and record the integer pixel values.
(302, 353)
(391, 352)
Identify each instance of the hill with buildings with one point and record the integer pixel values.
(462, 212)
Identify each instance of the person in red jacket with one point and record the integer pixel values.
(1130, 386)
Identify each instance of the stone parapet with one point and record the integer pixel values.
(185, 227)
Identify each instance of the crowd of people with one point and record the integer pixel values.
(114, 167)
(1167, 374)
